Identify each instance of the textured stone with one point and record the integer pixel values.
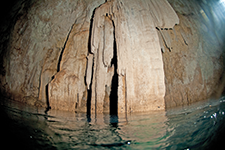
(140, 68)
(73, 53)
(31, 58)
(67, 91)
(194, 69)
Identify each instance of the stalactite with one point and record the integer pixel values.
(108, 41)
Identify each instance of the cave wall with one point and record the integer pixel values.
(36, 44)
(194, 68)
(139, 66)
(52, 52)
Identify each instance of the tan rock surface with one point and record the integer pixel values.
(194, 69)
(37, 39)
(57, 52)
(140, 69)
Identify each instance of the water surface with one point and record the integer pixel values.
(197, 126)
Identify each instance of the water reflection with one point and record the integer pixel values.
(198, 126)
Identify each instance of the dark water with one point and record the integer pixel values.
(197, 126)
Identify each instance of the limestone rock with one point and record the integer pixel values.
(108, 41)
(194, 68)
(67, 91)
(163, 14)
(70, 54)
(140, 69)
(166, 38)
(68, 88)
(30, 57)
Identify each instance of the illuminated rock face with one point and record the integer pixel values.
(123, 42)
(127, 30)
(41, 43)
(115, 56)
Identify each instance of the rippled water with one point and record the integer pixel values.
(197, 126)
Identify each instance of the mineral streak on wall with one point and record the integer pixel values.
(89, 55)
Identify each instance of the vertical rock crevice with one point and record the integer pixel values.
(89, 68)
(63, 48)
(115, 80)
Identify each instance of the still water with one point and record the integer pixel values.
(197, 126)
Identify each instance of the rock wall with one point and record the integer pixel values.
(33, 53)
(129, 29)
(194, 68)
(115, 50)
(112, 56)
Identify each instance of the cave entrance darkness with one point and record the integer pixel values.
(114, 85)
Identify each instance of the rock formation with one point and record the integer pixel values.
(111, 56)
(194, 69)
(116, 26)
